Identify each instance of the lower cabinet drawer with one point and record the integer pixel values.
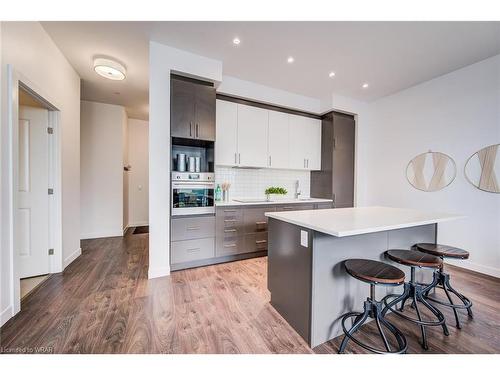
(229, 245)
(190, 228)
(295, 207)
(255, 242)
(189, 250)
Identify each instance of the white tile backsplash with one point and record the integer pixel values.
(251, 183)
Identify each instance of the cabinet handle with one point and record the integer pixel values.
(229, 220)
(197, 126)
(193, 228)
(288, 208)
(304, 163)
(193, 250)
(260, 241)
(190, 129)
(269, 160)
(261, 222)
(229, 230)
(307, 163)
(229, 210)
(239, 158)
(231, 245)
(235, 158)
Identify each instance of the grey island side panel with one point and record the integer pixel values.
(308, 284)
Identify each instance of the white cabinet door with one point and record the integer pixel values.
(278, 140)
(298, 142)
(252, 136)
(313, 157)
(226, 145)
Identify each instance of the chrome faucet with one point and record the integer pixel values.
(297, 189)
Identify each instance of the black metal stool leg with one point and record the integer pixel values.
(360, 319)
(422, 327)
(436, 312)
(373, 309)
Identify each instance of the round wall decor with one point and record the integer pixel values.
(431, 171)
(483, 168)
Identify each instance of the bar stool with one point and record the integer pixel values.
(373, 272)
(415, 291)
(442, 280)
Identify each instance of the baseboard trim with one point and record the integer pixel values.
(90, 236)
(138, 224)
(71, 258)
(486, 270)
(5, 315)
(158, 272)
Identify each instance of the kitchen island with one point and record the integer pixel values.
(306, 249)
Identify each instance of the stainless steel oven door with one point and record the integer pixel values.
(192, 198)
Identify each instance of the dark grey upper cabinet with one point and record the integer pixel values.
(343, 160)
(205, 112)
(192, 110)
(335, 180)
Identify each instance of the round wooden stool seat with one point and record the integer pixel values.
(443, 250)
(372, 271)
(414, 258)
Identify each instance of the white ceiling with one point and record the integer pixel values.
(390, 56)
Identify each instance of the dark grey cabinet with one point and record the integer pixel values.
(192, 110)
(335, 180)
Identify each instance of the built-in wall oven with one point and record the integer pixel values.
(193, 193)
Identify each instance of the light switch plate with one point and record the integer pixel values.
(304, 241)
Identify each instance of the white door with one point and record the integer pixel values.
(278, 140)
(313, 157)
(32, 229)
(252, 136)
(299, 142)
(226, 133)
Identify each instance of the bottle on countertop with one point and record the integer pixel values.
(218, 193)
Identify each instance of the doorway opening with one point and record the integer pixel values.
(35, 233)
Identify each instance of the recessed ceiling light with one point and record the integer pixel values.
(236, 41)
(365, 85)
(109, 69)
(331, 74)
(290, 59)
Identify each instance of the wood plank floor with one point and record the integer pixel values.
(104, 303)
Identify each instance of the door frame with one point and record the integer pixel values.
(15, 82)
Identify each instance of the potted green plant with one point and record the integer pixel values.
(274, 190)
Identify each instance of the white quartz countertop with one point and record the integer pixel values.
(263, 202)
(341, 222)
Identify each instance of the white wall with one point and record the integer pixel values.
(102, 153)
(457, 114)
(164, 60)
(32, 53)
(253, 91)
(138, 152)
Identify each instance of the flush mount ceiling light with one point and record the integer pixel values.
(236, 41)
(109, 69)
(331, 74)
(290, 59)
(365, 85)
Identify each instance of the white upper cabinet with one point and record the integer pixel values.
(248, 136)
(226, 145)
(314, 150)
(278, 147)
(252, 136)
(305, 143)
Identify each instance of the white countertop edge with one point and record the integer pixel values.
(272, 203)
(353, 232)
